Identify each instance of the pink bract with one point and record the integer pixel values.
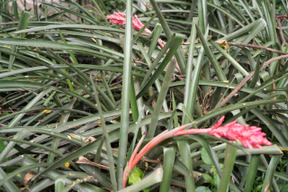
(120, 19)
(249, 136)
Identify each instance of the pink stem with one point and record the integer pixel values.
(138, 146)
(191, 131)
(136, 158)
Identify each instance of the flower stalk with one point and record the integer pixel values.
(249, 136)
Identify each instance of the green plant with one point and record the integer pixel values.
(78, 93)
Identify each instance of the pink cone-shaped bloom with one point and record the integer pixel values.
(120, 19)
(249, 136)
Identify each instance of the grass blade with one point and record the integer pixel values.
(189, 69)
(167, 59)
(23, 23)
(161, 97)
(270, 173)
(125, 95)
(185, 151)
(230, 156)
(168, 164)
(211, 56)
(166, 29)
(106, 138)
(251, 173)
(9, 185)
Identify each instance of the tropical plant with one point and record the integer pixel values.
(80, 95)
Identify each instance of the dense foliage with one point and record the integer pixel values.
(78, 93)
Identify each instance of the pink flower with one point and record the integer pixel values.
(249, 136)
(120, 19)
(137, 24)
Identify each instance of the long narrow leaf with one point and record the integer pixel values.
(161, 97)
(123, 142)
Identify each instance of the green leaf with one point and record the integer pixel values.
(207, 177)
(153, 178)
(230, 156)
(205, 157)
(173, 48)
(135, 176)
(168, 165)
(125, 102)
(60, 184)
(202, 189)
(161, 97)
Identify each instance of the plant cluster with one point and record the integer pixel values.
(83, 88)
